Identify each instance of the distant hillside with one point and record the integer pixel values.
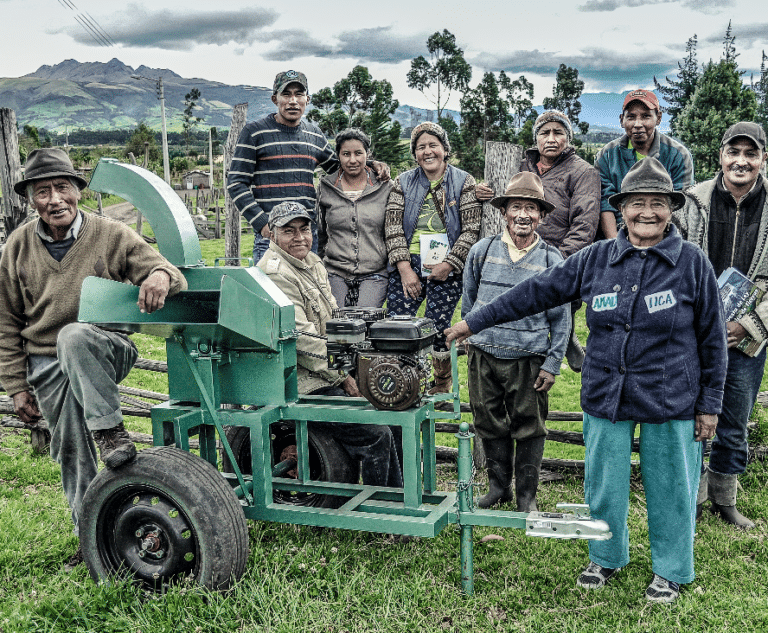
(100, 96)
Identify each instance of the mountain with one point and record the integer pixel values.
(98, 96)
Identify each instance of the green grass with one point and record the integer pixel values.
(299, 579)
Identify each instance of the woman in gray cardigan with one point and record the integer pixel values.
(351, 207)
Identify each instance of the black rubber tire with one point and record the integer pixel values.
(328, 461)
(186, 512)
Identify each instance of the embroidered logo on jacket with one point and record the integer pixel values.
(604, 302)
(660, 301)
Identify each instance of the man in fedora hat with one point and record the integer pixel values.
(640, 117)
(276, 157)
(511, 367)
(52, 366)
(727, 217)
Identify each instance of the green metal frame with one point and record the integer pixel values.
(231, 339)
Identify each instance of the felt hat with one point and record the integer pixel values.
(49, 162)
(752, 131)
(648, 176)
(289, 77)
(525, 185)
(430, 128)
(553, 116)
(285, 212)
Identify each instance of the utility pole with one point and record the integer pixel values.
(161, 96)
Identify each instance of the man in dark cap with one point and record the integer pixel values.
(276, 157)
(728, 218)
(52, 366)
(640, 118)
(290, 263)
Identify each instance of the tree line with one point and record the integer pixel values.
(703, 101)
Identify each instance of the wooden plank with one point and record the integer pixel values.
(502, 161)
(232, 215)
(14, 207)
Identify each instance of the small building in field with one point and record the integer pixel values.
(196, 179)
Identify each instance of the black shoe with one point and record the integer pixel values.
(74, 560)
(595, 576)
(115, 446)
(731, 515)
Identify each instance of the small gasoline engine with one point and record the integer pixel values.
(390, 354)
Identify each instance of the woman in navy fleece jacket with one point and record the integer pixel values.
(656, 356)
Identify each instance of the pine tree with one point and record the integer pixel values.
(761, 93)
(720, 100)
(677, 93)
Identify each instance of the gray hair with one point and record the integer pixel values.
(31, 185)
(353, 134)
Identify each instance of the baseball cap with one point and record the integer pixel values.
(288, 77)
(646, 97)
(752, 131)
(284, 212)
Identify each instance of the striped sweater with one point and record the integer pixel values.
(274, 163)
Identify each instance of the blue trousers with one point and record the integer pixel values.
(670, 459)
(729, 448)
(442, 298)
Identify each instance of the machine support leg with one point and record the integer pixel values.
(466, 505)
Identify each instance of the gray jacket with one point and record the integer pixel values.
(693, 220)
(351, 234)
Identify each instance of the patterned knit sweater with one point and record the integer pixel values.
(274, 163)
(470, 211)
(39, 296)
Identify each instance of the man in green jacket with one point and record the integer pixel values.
(53, 366)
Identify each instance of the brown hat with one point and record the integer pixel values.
(648, 176)
(526, 185)
(646, 97)
(49, 162)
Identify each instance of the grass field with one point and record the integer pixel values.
(300, 579)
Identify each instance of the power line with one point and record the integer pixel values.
(90, 24)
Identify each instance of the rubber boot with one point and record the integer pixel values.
(441, 370)
(722, 493)
(703, 493)
(528, 456)
(498, 459)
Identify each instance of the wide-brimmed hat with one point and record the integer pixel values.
(49, 162)
(285, 212)
(526, 185)
(647, 176)
(747, 129)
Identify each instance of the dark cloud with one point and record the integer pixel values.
(747, 35)
(704, 6)
(180, 30)
(603, 69)
(379, 44)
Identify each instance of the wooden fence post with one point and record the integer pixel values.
(502, 161)
(232, 222)
(13, 206)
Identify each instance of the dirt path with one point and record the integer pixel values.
(123, 211)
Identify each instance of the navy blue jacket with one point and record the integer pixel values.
(657, 348)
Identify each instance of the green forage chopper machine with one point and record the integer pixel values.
(231, 350)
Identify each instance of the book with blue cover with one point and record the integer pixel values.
(740, 296)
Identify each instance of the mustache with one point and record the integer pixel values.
(741, 168)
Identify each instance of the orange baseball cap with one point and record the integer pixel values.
(645, 97)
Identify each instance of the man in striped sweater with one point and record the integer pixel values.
(276, 157)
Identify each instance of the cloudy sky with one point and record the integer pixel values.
(615, 44)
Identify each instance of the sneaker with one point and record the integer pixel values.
(115, 446)
(74, 560)
(662, 590)
(595, 576)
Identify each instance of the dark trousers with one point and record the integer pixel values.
(372, 444)
(441, 297)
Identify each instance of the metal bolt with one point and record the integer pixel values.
(160, 553)
(139, 532)
(142, 553)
